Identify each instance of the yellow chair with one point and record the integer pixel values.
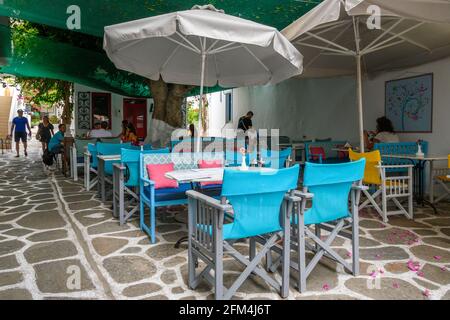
(387, 187)
(442, 177)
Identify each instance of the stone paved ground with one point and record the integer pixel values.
(50, 227)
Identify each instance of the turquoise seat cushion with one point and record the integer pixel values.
(169, 194)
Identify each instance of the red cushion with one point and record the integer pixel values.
(205, 164)
(157, 172)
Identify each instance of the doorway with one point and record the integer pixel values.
(135, 111)
(101, 108)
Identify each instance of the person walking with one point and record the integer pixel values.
(19, 128)
(45, 132)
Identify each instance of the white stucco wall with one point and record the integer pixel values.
(319, 108)
(439, 139)
(322, 108)
(116, 109)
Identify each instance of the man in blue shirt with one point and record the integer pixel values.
(56, 142)
(18, 128)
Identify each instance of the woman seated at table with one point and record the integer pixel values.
(131, 135)
(384, 134)
(56, 142)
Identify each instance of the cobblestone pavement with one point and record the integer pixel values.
(51, 229)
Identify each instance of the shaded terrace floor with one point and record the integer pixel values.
(49, 227)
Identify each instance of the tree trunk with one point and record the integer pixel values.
(204, 114)
(167, 114)
(68, 106)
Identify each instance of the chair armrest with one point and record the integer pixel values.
(150, 182)
(360, 188)
(292, 198)
(208, 200)
(119, 166)
(303, 195)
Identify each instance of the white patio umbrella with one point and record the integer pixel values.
(204, 47)
(338, 33)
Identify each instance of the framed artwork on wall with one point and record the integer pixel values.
(409, 103)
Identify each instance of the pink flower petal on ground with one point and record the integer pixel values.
(426, 293)
(326, 287)
(413, 266)
(444, 268)
(396, 285)
(349, 254)
(438, 257)
(420, 273)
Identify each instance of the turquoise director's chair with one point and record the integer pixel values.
(329, 187)
(105, 167)
(153, 198)
(252, 205)
(77, 151)
(90, 166)
(276, 159)
(126, 182)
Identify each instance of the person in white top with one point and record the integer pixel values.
(101, 132)
(385, 133)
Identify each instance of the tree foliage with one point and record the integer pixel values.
(42, 91)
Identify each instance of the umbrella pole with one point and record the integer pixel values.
(360, 101)
(359, 82)
(202, 82)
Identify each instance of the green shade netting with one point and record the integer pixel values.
(48, 58)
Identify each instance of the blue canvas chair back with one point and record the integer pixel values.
(330, 184)
(130, 159)
(275, 159)
(110, 149)
(110, 140)
(400, 148)
(92, 149)
(256, 199)
(148, 147)
(81, 145)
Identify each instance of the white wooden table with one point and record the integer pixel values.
(207, 175)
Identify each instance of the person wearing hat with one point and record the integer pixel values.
(19, 128)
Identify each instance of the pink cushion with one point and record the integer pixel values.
(157, 172)
(205, 164)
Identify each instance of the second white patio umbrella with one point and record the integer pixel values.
(338, 33)
(202, 47)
